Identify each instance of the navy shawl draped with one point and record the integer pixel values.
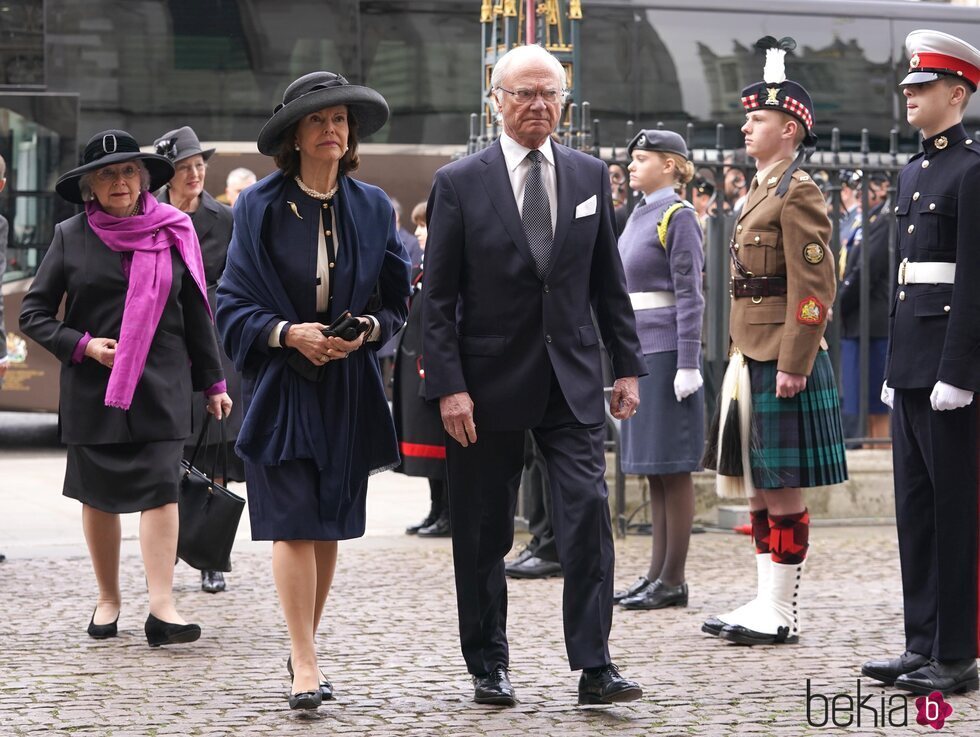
(343, 422)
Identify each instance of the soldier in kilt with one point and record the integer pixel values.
(784, 432)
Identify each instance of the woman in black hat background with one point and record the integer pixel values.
(310, 245)
(136, 334)
(212, 222)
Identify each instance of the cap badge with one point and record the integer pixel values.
(641, 141)
(941, 143)
(914, 61)
(772, 92)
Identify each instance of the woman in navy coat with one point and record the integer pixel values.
(309, 245)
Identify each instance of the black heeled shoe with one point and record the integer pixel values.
(103, 631)
(326, 688)
(160, 633)
(305, 700)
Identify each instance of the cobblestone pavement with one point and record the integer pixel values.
(389, 640)
(389, 646)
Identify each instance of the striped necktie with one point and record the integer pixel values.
(536, 215)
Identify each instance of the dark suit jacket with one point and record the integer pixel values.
(874, 233)
(183, 357)
(492, 326)
(4, 229)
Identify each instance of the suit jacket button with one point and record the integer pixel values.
(914, 197)
(547, 339)
(901, 295)
(932, 205)
(946, 308)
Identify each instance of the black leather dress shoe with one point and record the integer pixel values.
(606, 686)
(439, 528)
(534, 567)
(160, 633)
(212, 581)
(887, 671)
(326, 688)
(526, 552)
(429, 519)
(657, 596)
(494, 688)
(103, 631)
(638, 586)
(948, 677)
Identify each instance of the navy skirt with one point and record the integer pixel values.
(664, 436)
(124, 477)
(850, 362)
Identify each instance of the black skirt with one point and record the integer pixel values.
(124, 477)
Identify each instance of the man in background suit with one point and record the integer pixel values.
(520, 245)
(3, 267)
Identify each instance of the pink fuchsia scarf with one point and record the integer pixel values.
(148, 237)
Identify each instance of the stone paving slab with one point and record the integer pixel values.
(389, 645)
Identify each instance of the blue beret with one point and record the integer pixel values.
(666, 142)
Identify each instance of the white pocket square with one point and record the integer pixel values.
(584, 209)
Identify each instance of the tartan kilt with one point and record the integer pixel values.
(798, 442)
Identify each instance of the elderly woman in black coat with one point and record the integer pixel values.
(135, 339)
(212, 222)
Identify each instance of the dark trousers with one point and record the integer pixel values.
(537, 502)
(483, 482)
(935, 464)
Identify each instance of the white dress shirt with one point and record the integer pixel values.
(518, 166)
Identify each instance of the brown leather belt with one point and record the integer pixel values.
(759, 286)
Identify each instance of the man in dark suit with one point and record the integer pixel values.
(520, 248)
(932, 374)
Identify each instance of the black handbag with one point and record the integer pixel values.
(209, 513)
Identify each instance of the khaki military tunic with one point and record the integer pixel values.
(784, 237)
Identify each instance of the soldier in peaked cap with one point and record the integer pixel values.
(932, 373)
(779, 381)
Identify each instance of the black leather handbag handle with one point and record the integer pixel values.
(223, 450)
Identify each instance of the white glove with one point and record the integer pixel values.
(946, 396)
(887, 395)
(686, 382)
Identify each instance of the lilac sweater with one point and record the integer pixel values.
(649, 268)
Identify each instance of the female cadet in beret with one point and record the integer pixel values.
(661, 248)
(310, 245)
(135, 336)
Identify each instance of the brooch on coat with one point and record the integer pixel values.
(292, 206)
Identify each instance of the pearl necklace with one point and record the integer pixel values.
(313, 193)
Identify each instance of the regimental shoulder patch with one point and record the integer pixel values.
(813, 253)
(811, 311)
(804, 177)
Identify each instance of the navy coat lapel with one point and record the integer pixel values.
(501, 196)
(565, 183)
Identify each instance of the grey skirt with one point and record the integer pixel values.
(664, 436)
(124, 477)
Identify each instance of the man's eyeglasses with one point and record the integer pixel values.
(525, 96)
(111, 173)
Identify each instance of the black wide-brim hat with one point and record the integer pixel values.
(180, 144)
(107, 148)
(316, 91)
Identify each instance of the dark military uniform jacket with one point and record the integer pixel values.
(935, 328)
(874, 238)
(784, 237)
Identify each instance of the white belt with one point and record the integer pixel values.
(652, 300)
(925, 272)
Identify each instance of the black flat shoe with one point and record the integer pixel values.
(103, 631)
(439, 528)
(326, 688)
(494, 688)
(534, 567)
(657, 596)
(637, 587)
(606, 686)
(430, 518)
(947, 677)
(160, 633)
(212, 582)
(887, 671)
